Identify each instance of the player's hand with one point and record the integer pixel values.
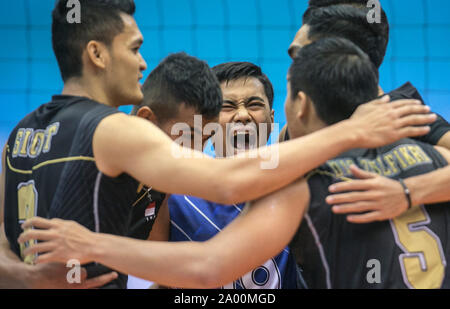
(381, 123)
(60, 241)
(54, 276)
(378, 197)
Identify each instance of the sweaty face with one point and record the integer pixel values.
(244, 108)
(125, 69)
(301, 39)
(186, 115)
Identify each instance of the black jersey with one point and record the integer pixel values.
(408, 252)
(438, 128)
(51, 173)
(145, 210)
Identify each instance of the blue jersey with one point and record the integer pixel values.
(194, 219)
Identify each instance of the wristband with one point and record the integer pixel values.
(407, 193)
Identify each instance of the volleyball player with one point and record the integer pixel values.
(247, 118)
(78, 158)
(168, 101)
(374, 193)
(341, 250)
(348, 19)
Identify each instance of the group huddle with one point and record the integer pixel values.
(354, 195)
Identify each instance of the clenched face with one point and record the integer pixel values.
(245, 107)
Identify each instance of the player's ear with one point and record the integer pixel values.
(272, 115)
(303, 105)
(147, 113)
(98, 54)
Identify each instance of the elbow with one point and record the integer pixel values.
(231, 190)
(208, 276)
(230, 197)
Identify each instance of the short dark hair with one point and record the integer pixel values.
(336, 75)
(349, 21)
(230, 71)
(178, 79)
(100, 20)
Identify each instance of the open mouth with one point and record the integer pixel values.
(243, 138)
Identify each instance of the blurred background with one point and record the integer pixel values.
(217, 31)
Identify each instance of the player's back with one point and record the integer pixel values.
(51, 171)
(407, 252)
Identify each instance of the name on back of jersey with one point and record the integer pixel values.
(30, 143)
(389, 164)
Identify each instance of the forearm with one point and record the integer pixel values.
(14, 274)
(244, 179)
(445, 141)
(436, 189)
(248, 181)
(181, 264)
(243, 245)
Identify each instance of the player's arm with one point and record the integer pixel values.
(259, 233)
(445, 141)
(432, 187)
(161, 227)
(14, 274)
(381, 198)
(124, 144)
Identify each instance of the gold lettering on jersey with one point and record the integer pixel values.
(37, 143)
(384, 170)
(18, 141)
(50, 132)
(24, 143)
(400, 159)
(31, 143)
(419, 154)
(335, 167)
(341, 167)
(27, 198)
(391, 161)
(387, 164)
(364, 164)
(348, 163)
(409, 159)
(375, 168)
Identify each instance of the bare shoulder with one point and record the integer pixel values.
(120, 138)
(119, 124)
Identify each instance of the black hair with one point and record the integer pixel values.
(100, 20)
(230, 71)
(178, 79)
(348, 19)
(336, 75)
